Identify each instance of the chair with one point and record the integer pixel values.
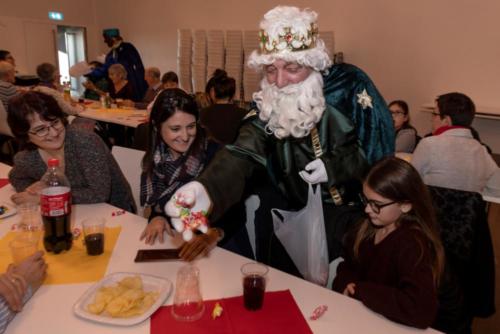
(129, 161)
(468, 247)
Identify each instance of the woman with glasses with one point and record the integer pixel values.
(39, 124)
(406, 135)
(394, 260)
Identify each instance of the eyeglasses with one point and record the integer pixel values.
(43, 131)
(375, 206)
(397, 113)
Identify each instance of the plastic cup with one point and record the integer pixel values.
(31, 219)
(93, 232)
(254, 285)
(24, 245)
(188, 303)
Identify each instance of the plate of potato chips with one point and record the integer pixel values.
(123, 299)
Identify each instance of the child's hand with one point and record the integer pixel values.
(350, 289)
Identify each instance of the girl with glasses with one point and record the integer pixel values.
(39, 124)
(406, 135)
(393, 261)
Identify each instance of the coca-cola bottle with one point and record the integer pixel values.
(55, 205)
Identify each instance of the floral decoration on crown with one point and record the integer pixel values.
(288, 39)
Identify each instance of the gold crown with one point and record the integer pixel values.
(286, 40)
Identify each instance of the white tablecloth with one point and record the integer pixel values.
(50, 309)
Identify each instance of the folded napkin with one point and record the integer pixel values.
(73, 266)
(279, 314)
(4, 182)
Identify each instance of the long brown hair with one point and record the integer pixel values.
(398, 181)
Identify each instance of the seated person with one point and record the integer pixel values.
(211, 82)
(152, 77)
(170, 80)
(120, 87)
(394, 259)
(222, 119)
(18, 284)
(8, 57)
(49, 76)
(406, 135)
(19, 80)
(39, 124)
(177, 154)
(49, 84)
(451, 157)
(7, 79)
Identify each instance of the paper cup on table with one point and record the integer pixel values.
(93, 231)
(24, 245)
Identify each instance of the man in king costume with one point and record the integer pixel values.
(295, 135)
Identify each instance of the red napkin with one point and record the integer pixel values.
(279, 314)
(4, 182)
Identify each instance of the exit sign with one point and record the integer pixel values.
(56, 16)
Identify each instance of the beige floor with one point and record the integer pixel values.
(492, 324)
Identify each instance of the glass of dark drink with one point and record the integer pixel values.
(254, 285)
(93, 231)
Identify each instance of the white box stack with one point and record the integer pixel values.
(234, 59)
(184, 53)
(215, 51)
(199, 68)
(328, 38)
(251, 78)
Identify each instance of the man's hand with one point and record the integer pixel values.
(314, 172)
(89, 85)
(200, 244)
(32, 269)
(12, 289)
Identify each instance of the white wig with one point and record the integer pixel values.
(290, 34)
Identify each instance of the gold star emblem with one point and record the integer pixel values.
(365, 100)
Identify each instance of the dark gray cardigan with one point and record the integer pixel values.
(93, 173)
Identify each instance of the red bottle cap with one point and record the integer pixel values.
(53, 163)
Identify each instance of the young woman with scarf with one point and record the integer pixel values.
(177, 152)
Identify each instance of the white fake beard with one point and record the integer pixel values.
(292, 110)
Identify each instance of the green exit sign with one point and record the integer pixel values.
(56, 16)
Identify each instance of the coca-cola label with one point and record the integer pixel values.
(55, 201)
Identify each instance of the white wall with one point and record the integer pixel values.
(15, 15)
(413, 50)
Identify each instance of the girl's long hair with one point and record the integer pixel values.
(399, 181)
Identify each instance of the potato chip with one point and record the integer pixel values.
(126, 299)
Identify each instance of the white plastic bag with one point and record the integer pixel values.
(303, 235)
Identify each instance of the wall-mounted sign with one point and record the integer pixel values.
(56, 16)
